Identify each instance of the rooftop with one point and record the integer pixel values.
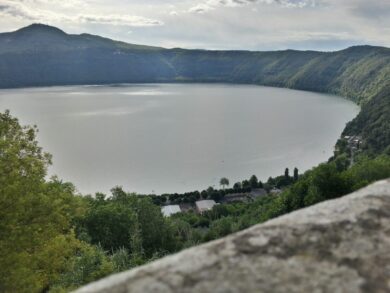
(205, 205)
(339, 245)
(168, 211)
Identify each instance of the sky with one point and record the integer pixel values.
(213, 24)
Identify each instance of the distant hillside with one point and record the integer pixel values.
(373, 123)
(40, 55)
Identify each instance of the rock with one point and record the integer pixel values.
(341, 245)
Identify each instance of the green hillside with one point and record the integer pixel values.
(40, 55)
(55, 240)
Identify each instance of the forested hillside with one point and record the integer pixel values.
(373, 123)
(42, 55)
(54, 240)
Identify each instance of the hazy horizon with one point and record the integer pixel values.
(206, 49)
(256, 25)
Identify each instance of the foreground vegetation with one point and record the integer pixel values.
(52, 239)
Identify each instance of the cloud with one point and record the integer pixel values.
(299, 36)
(24, 12)
(209, 5)
(371, 9)
(213, 24)
(129, 20)
(201, 8)
(15, 10)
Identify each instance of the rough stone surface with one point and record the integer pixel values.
(341, 245)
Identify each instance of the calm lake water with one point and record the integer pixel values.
(176, 137)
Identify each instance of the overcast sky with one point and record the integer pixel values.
(213, 24)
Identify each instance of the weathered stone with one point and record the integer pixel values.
(341, 245)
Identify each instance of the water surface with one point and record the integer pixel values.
(178, 137)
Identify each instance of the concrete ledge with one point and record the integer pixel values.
(341, 245)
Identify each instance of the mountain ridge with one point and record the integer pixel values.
(39, 27)
(40, 55)
(97, 53)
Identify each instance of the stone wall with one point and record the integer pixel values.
(341, 245)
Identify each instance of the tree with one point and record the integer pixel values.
(296, 175)
(271, 181)
(237, 186)
(221, 227)
(245, 184)
(110, 225)
(113, 223)
(90, 263)
(35, 219)
(224, 182)
(210, 191)
(286, 173)
(253, 181)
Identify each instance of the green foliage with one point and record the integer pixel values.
(35, 220)
(224, 182)
(253, 181)
(373, 123)
(220, 227)
(109, 225)
(328, 181)
(367, 171)
(121, 260)
(90, 263)
(40, 252)
(280, 181)
(53, 240)
(296, 174)
(125, 221)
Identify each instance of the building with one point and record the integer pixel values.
(354, 141)
(204, 205)
(170, 210)
(235, 197)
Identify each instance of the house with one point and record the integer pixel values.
(354, 141)
(204, 205)
(168, 211)
(235, 197)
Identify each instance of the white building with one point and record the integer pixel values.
(168, 211)
(204, 205)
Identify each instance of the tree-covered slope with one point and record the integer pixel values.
(373, 123)
(40, 55)
(55, 241)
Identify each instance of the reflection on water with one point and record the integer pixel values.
(176, 137)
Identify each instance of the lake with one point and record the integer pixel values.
(156, 138)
